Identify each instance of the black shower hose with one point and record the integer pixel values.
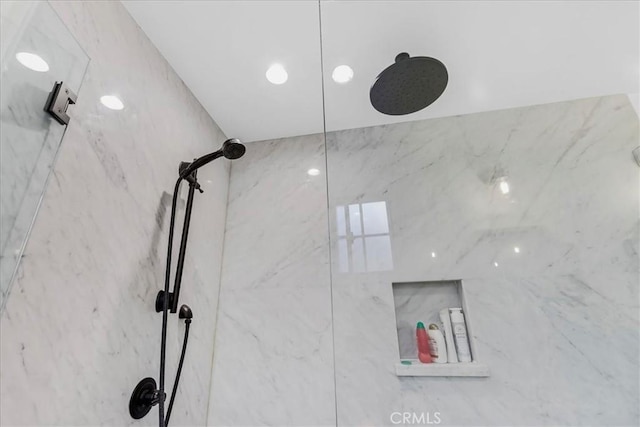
(165, 310)
(187, 324)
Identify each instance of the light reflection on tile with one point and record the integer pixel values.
(364, 246)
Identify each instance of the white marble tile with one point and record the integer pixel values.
(276, 231)
(273, 362)
(430, 172)
(556, 321)
(539, 349)
(274, 359)
(538, 316)
(80, 329)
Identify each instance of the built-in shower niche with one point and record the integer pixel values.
(421, 302)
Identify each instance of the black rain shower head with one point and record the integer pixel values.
(409, 85)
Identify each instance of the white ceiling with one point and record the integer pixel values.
(499, 54)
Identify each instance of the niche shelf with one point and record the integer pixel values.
(417, 369)
(421, 302)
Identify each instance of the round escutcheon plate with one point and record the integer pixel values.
(142, 397)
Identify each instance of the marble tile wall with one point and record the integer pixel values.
(273, 362)
(300, 341)
(79, 329)
(556, 320)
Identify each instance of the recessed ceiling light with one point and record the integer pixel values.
(276, 74)
(516, 250)
(313, 172)
(433, 254)
(32, 61)
(112, 102)
(342, 74)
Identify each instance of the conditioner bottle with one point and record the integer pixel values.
(437, 344)
(460, 335)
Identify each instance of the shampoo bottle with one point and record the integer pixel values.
(460, 335)
(423, 344)
(436, 344)
(445, 319)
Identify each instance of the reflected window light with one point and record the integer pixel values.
(375, 219)
(495, 264)
(355, 222)
(357, 255)
(364, 243)
(343, 255)
(433, 254)
(32, 61)
(313, 172)
(378, 253)
(341, 221)
(516, 249)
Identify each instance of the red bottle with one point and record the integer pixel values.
(423, 344)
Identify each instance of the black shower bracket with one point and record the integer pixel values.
(192, 179)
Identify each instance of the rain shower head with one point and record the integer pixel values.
(409, 85)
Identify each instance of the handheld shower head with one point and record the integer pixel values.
(233, 149)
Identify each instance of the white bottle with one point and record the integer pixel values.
(448, 335)
(460, 335)
(437, 346)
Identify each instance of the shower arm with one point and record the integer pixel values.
(186, 169)
(192, 178)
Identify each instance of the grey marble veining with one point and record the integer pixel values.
(555, 320)
(80, 329)
(273, 362)
(275, 208)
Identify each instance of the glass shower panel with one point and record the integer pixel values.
(37, 51)
(526, 218)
